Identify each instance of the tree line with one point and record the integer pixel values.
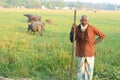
(53, 4)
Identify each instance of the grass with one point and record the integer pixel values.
(49, 57)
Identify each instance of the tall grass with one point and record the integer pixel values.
(49, 57)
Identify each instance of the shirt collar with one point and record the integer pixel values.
(83, 28)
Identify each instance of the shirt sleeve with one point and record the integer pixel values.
(99, 33)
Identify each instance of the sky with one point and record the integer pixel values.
(98, 1)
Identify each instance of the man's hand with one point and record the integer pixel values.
(73, 26)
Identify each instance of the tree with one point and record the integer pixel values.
(78, 5)
(59, 3)
(51, 4)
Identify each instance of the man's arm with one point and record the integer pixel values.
(100, 34)
(98, 40)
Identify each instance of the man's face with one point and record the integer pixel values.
(84, 21)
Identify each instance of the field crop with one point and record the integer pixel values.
(49, 57)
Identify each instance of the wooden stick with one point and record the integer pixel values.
(73, 48)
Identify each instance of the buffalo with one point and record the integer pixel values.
(36, 27)
(32, 18)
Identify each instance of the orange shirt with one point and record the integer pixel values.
(85, 41)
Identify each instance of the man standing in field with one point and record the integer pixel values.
(85, 41)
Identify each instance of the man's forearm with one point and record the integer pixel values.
(98, 40)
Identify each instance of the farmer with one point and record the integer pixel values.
(85, 40)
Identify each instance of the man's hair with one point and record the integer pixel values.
(84, 16)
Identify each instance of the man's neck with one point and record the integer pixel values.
(84, 25)
(83, 28)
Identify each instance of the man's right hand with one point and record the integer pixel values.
(73, 26)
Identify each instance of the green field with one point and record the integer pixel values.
(24, 55)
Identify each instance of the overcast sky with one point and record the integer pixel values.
(98, 1)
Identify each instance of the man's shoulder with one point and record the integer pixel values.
(90, 25)
(78, 26)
